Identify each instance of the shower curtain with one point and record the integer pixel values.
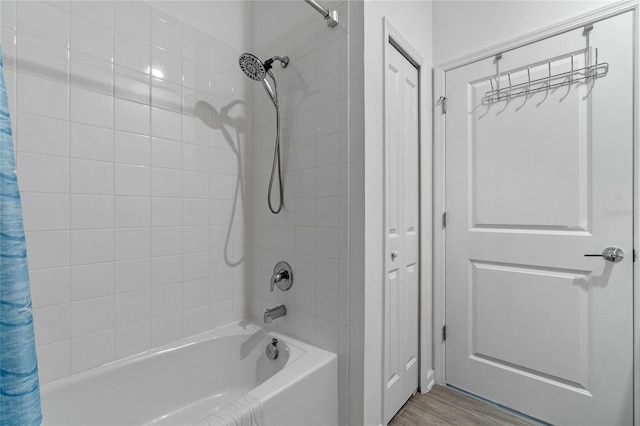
(19, 386)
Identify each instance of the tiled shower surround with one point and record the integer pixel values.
(132, 137)
(144, 154)
(311, 233)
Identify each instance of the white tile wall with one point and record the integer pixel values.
(124, 219)
(312, 231)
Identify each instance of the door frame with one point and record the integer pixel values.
(438, 194)
(393, 39)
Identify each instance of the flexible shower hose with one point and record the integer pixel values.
(276, 151)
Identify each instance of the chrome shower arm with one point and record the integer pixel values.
(331, 16)
(283, 61)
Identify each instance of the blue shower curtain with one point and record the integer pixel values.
(19, 386)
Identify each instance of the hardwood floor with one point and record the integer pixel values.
(447, 406)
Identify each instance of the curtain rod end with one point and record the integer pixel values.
(332, 19)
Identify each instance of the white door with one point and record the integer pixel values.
(401, 203)
(532, 185)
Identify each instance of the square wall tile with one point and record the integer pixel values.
(132, 85)
(166, 124)
(166, 329)
(47, 249)
(132, 180)
(41, 96)
(45, 212)
(166, 182)
(166, 35)
(49, 287)
(35, 53)
(90, 73)
(132, 212)
(51, 324)
(92, 350)
(132, 116)
(166, 270)
(91, 246)
(88, 107)
(166, 153)
(132, 53)
(132, 338)
(43, 21)
(166, 66)
(53, 361)
(133, 243)
(131, 148)
(132, 307)
(132, 275)
(166, 241)
(91, 211)
(91, 315)
(96, 11)
(91, 177)
(133, 19)
(90, 281)
(91, 39)
(91, 142)
(42, 173)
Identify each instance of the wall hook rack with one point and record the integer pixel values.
(551, 81)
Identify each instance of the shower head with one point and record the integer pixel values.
(252, 67)
(257, 70)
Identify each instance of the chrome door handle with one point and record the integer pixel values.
(612, 254)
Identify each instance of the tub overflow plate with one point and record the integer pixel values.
(272, 349)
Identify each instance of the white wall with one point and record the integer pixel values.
(464, 27)
(128, 179)
(413, 21)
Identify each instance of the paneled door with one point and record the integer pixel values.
(536, 179)
(401, 294)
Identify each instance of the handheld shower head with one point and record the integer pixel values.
(257, 70)
(252, 67)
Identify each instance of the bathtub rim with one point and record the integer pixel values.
(298, 349)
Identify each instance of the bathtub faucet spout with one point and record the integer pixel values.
(277, 312)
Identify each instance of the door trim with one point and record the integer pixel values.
(438, 194)
(393, 39)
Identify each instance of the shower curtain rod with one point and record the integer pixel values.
(331, 16)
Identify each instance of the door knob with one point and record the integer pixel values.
(394, 254)
(612, 254)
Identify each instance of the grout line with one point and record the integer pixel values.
(113, 189)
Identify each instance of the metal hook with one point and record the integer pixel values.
(571, 75)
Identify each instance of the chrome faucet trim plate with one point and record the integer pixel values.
(282, 277)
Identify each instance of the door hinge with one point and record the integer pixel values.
(444, 219)
(442, 100)
(444, 333)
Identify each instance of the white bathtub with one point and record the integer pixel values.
(186, 382)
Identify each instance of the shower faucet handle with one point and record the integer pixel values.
(279, 276)
(282, 277)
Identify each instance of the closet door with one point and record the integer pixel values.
(401, 293)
